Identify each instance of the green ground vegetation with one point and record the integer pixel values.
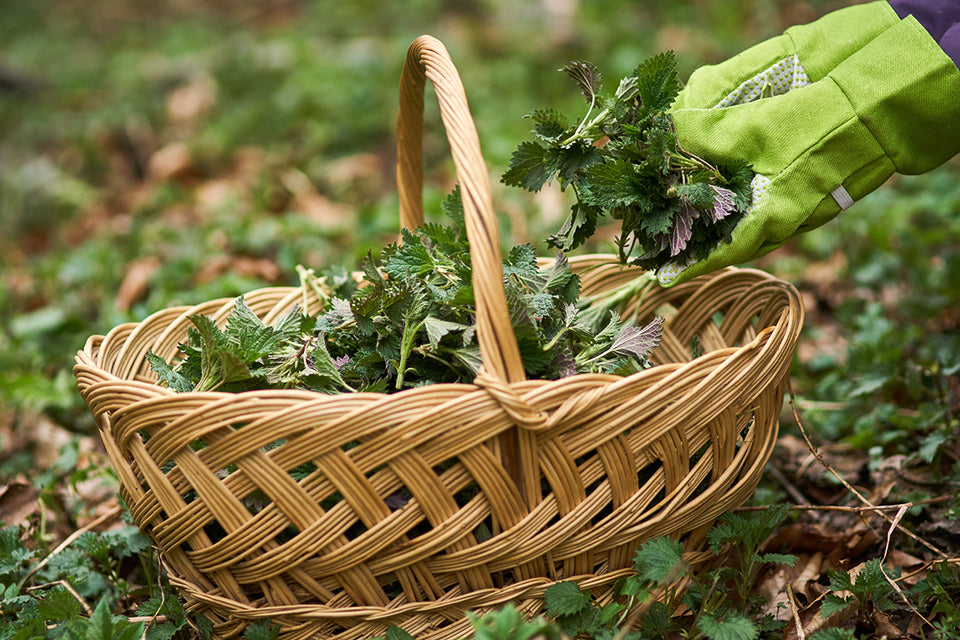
(156, 154)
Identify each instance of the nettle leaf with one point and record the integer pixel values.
(125, 541)
(572, 160)
(452, 207)
(436, 329)
(565, 599)
(249, 336)
(411, 257)
(100, 625)
(832, 603)
(396, 633)
(614, 184)
(130, 631)
(579, 226)
(338, 314)
(58, 604)
(531, 166)
(638, 342)
(658, 82)
(660, 561)
(263, 630)
(778, 558)
(624, 162)
(167, 374)
(660, 143)
(657, 622)
(324, 366)
(549, 124)
(220, 362)
(587, 77)
(728, 626)
(834, 633)
(700, 195)
(521, 262)
(931, 445)
(747, 531)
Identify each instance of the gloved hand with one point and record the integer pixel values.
(855, 97)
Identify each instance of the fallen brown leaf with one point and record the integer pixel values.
(806, 583)
(135, 283)
(217, 195)
(320, 209)
(18, 501)
(245, 266)
(190, 102)
(171, 162)
(884, 627)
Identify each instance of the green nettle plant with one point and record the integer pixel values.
(412, 323)
(75, 592)
(716, 600)
(622, 160)
(869, 591)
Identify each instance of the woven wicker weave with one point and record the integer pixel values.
(445, 498)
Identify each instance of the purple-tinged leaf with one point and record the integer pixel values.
(638, 341)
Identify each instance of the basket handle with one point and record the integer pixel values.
(428, 58)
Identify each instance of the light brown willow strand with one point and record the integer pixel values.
(427, 58)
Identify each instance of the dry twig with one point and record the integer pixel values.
(113, 513)
(848, 486)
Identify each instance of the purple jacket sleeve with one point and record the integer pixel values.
(941, 18)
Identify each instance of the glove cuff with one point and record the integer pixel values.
(825, 43)
(906, 92)
(802, 54)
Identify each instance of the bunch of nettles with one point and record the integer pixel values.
(622, 159)
(410, 321)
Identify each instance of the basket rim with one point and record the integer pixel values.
(88, 355)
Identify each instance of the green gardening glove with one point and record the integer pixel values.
(891, 105)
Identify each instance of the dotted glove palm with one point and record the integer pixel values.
(842, 104)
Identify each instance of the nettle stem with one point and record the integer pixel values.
(583, 129)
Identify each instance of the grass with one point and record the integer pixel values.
(162, 155)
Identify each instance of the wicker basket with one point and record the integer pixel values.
(446, 498)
